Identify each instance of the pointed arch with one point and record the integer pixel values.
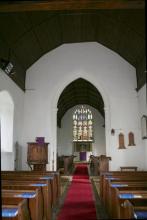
(80, 91)
(58, 89)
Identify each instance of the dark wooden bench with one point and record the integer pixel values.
(128, 186)
(118, 175)
(120, 179)
(99, 164)
(137, 197)
(5, 185)
(65, 162)
(16, 211)
(32, 196)
(55, 183)
(54, 173)
(137, 180)
(131, 211)
(68, 164)
(46, 191)
(94, 165)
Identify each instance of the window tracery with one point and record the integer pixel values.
(83, 125)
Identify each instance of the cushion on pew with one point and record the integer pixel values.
(119, 185)
(112, 178)
(46, 178)
(9, 212)
(128, 196)
(140, 214)
(38, 184)
(26, 195)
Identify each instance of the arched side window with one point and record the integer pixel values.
(83, 125)
(6, 121)
(121, 141)
(131, 139)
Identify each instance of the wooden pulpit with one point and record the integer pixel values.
(37, 155)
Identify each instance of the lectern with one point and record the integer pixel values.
(37, 155)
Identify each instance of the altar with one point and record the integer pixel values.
(82, 155)
(82, 150)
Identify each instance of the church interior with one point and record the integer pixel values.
(73, 112)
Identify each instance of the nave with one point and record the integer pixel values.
(71, 196)
(31, 195)
(73, 88)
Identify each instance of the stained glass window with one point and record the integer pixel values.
(82, 124)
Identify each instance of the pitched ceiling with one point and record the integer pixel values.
(79, 91)
(31, 29)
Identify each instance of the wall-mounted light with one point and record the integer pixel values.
(112, 131)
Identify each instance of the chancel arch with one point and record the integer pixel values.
(82, 94)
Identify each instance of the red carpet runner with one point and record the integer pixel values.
(79, 202)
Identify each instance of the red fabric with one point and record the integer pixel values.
(79, 202)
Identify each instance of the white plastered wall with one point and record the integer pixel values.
(108, 72)
(17, 96)
(65, 136)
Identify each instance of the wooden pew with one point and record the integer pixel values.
(33, 200)
(94, 165)
(54, 173)
(117, 175)
(18, 210)
(128, 186)
(29, 176)
(46, 191)
(65, 162)
(5, 185)
(135, 196)
(131, 211)
(99, 164)
(55, 181)
(68, 164)
(137, 180)
(125, 180)
(120, 179)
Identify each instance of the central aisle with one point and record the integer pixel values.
(79, 202)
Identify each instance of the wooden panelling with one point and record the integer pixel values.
(79, 91)
(44, 25)
(70, 4)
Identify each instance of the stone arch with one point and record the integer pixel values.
(58, 90)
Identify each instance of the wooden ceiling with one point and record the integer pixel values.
(29, 29)
(78, 92)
